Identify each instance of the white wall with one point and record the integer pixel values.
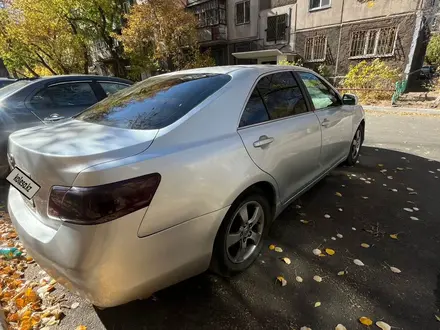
(244, 31)
(264, 14)
(355, 10)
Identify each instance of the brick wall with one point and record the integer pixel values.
(398, 60)
(403, 44)
(332, 34)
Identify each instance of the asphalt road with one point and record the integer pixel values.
(408, 147)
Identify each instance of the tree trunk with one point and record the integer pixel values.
(31, 71)
(86, 59)
(42, 61)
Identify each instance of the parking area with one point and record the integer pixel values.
(389, 203)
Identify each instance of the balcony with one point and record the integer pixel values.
(211, 17)
(214, 33)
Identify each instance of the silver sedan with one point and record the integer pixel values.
(177, 174)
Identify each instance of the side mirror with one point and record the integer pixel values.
(350, 99)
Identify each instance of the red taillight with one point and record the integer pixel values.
(94, 205)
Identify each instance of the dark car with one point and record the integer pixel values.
(427, 72)
(41, 101)
(6, 81)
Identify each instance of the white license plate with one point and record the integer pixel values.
(23, 183)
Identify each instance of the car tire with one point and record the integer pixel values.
(355, 147)
(233, 254)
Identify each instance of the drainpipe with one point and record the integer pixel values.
(339, 44)
(290, 25)
(294, 27)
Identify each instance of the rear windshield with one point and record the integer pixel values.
(9, 89)
(154, 103)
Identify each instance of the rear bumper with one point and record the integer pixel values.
(109, 264)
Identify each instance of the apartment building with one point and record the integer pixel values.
(337, 33)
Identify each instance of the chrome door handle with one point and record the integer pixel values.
(263, 141)
(325, 122)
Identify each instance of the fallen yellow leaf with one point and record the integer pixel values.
(342, 272)
(30, 296)
(317, 304)
(25, 325)
(278, 249)
(437, 317)
(317, 278)
(271, 247)
(12, 317)
(338, 194)
(365, 321)
(330, 252)
(383, 325)
(20, 303)
(35, 319)
(394, 236)
(286, 260)
(365, 245)
(322, 255)
(282, 280)
(81, 327)
(380, 165)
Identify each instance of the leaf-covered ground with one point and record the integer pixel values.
(378, 258)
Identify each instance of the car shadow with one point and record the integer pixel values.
(372, 209)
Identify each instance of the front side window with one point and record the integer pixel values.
(315, 49)
(374, 42)
(275, 96)
(64, 95)
(242, 12)
(322, 96)
(276, 28)
(319, 4)
(155, 102)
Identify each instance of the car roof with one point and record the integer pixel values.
(79, 77)
(227, 69)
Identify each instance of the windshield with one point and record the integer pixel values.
(7, 90)
(155, 102)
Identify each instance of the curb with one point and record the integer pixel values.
(401, 110)
(3, 325)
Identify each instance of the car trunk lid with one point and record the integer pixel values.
(54, 155)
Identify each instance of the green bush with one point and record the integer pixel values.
(324, 71)
(371, 75)
(433, 50)
(291, 63)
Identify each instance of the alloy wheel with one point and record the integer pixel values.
(356, 144)
(245, 232)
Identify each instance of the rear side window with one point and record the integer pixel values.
(64, 95)
(156, 102)
(275, 96)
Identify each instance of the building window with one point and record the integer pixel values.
(210, 13)
(242, 12)
(315, 49)
(276, 28)
(319, 4)
(373, 43)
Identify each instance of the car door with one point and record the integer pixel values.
(281, 135)
(334, 117)
(62, 100)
